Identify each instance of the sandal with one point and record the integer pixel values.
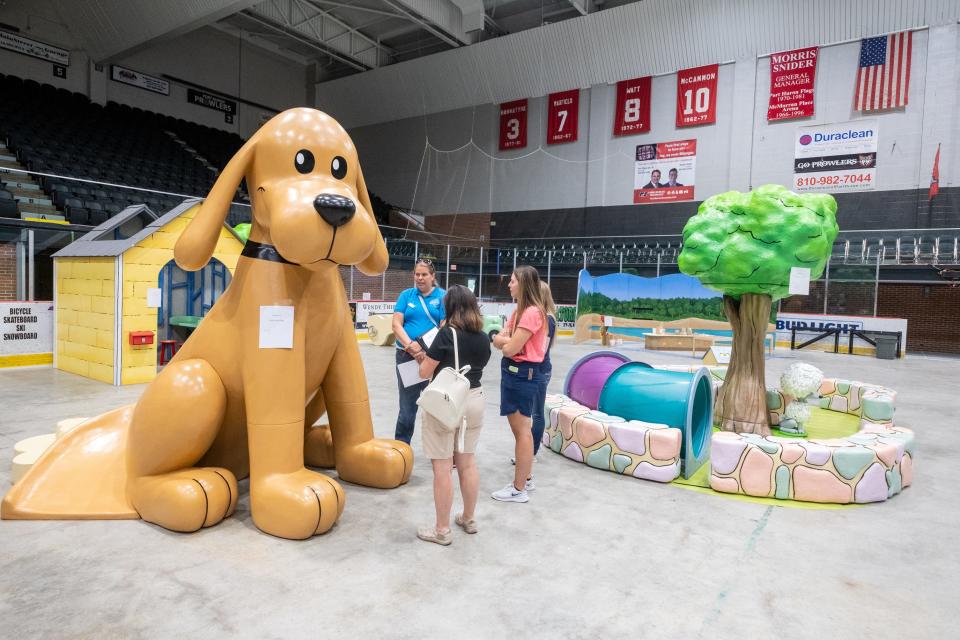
(430, 534)
(470, 526)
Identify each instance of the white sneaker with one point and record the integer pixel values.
(530, 486)
(510, 494)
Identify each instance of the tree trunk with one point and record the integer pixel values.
(742, 400)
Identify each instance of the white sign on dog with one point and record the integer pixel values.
(276, 327)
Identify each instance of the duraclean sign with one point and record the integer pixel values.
(211, 101)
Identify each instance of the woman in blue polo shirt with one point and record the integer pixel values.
(418, 311)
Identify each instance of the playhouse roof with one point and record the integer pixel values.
(93, 242)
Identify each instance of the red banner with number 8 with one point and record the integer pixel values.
(563, 109)
(697, 95)
(633, 107)
(513, 125)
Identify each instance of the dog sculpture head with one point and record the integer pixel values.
(308, 195)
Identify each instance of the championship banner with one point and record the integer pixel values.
(836, 157)
(562, 111)
(665, 172)
(140, 80)
(697, 95)
(513, 124)
(633, 107)
(792, 75)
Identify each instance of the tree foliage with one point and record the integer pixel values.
(747, 242)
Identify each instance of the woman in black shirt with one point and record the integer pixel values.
(463, 315)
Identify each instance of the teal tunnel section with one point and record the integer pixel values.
(674, 398)
(610, 382)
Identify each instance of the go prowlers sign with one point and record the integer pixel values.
(211, 101)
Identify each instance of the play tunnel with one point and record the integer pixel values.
(612, 383)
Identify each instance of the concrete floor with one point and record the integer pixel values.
(592, 554)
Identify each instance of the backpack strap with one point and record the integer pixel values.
(427, 311)
(456, 350)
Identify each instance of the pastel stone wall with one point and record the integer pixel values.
(869, 466)
(85, 316)
(873, 404)
(629, 447)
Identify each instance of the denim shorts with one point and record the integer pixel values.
(519, 382)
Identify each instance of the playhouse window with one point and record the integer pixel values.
(128, 227)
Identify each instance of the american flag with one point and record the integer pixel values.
(883, 79)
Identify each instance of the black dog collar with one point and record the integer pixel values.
(261, 251)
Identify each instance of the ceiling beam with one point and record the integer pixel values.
(320, 28)
(441, 18)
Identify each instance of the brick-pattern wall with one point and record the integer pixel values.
(383, 287)
(464, 229)
(85, 317)
(931, 311)
(472, 229)
(8, 271)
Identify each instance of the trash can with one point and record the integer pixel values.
(886, 347)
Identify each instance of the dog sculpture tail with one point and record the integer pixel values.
(82, 476)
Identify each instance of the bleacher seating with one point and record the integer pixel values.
(54, 131)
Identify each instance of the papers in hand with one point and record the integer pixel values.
(410, 373)
(429, 336)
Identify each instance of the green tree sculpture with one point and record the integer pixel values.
(744, 245)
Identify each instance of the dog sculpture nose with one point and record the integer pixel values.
(336, 210)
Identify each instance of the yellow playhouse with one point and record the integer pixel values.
(110, 289)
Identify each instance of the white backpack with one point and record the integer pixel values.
(445, 398)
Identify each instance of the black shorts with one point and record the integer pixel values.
(519, 382)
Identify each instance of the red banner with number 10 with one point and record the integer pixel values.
(697, 95)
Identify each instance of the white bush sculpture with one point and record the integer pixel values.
(798, 381)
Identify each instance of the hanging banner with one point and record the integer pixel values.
(563, 109)
(697, 95)
(139, 80)
(34, 48)
(836, 157)
(513, 124)
(665, 172)
(632, 113)
(792, 75)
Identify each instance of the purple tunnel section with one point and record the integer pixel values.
(587, 376)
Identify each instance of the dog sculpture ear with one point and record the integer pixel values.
(197, 242)
(375, 263)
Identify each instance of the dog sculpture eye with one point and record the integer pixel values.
(338, 168)
(304, 161)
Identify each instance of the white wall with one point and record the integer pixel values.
(740, 151)
(206, 57)
(38, 21)
(211, 58)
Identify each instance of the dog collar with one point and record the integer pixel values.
(262, 251)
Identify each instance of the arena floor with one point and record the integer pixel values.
(592, 554)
